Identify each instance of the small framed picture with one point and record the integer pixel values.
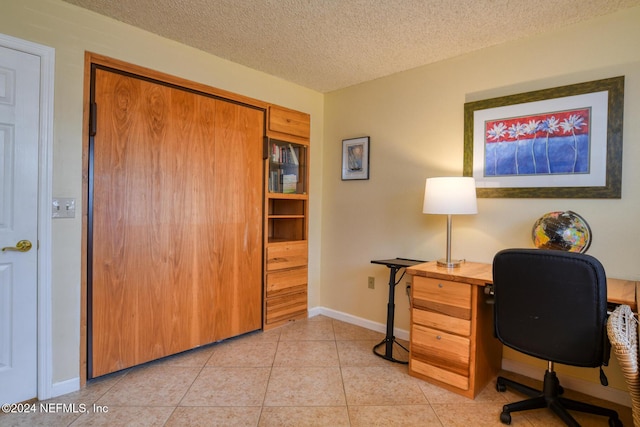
(355, 158)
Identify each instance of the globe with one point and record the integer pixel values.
(565, 231)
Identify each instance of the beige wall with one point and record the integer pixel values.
(415, 121)
(72, 31)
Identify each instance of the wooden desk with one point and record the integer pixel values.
(452, 343)
(619, 291)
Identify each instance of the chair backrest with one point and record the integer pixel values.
(551, 305)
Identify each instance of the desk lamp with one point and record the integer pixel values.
(450, 196)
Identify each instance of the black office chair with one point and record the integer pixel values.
(551, 305)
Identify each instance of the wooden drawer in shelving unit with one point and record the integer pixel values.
(286, 281)
(287, 255)
(286, 307)
(289, 122)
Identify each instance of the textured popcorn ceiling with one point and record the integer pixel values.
(331, 44)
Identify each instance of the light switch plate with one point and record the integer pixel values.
(63, 207)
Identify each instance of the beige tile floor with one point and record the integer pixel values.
(315, 372)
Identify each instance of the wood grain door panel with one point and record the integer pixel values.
(176, 221)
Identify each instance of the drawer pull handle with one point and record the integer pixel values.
(438, 337)
(440, 285)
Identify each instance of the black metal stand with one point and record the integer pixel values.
(394, 266)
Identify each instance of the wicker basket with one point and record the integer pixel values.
(622, 329)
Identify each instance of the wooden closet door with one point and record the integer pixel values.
(175, 225)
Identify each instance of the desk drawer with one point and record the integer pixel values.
(442, 322)
(439, 374)
(442, 296)
(440, 349)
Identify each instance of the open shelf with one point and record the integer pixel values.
(286, 218)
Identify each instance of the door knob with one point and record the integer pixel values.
(21, 246)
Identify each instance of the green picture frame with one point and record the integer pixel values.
(605, 147)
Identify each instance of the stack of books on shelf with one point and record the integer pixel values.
(283, 169)
(284, 154)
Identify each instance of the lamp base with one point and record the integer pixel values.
(453, 263)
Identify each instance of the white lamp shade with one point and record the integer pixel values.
(450, 195)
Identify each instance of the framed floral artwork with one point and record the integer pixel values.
(563, 142)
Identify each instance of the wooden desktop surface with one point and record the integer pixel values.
(618, 291)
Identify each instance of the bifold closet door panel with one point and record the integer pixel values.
(175, 220)
(237, 218)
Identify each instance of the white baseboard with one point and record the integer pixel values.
(592, 389)
(64, 387)
(358, 321)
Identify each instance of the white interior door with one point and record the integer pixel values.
(19, 133)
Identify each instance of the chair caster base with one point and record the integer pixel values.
(505, 418)
(550, 397)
